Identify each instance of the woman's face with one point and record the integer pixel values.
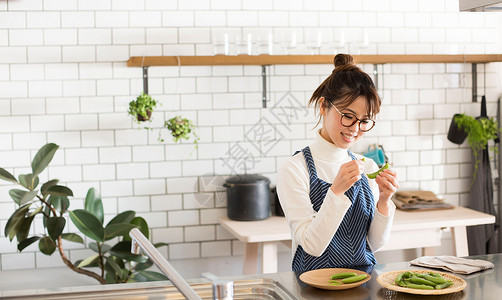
(332, 129)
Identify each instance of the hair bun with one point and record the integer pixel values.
(343, 59)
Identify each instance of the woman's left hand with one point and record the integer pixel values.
(387, 184)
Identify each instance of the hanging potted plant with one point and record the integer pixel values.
(141, 109)
(479, 131)
(181, 128)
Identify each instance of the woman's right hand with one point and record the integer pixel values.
(348, 174)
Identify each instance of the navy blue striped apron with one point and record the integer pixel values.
(348, 247)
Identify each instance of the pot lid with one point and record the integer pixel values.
(247, 179)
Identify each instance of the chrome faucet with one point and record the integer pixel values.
(222, 289)
(140, 242)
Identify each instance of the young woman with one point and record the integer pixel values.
(338, 216)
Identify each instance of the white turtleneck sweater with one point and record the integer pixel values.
(314, 230)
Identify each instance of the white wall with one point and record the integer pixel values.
(64, 79)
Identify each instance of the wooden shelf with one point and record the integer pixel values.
(261, 60)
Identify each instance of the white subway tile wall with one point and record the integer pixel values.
(64, 79)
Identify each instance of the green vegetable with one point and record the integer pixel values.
(448, 283)
(334, 282)
(399, 278)
(436, 279)
(418, 280)
(375, 174)
(343, 275)
(424, 281)
(418, 286)
(354, 278)
(401, 283)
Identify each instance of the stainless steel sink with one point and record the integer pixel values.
(259, 288)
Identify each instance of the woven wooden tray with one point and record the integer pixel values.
(387, 280)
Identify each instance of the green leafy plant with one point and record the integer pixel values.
(141, 109)
(479, 132)
(181, 128)
(51, 201)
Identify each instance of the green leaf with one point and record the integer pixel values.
(36, 211)
(48, 184)
(93, 246)
(92, 265)
(24, 228)
(88, 224)
(5, 175)
(114, 266)
(43, 158)
(124, 217)
(104, 247)
(15, 221)
(141, 225)
(55, 226)
(144, 266)
(118, 261)
(157, 245)
(28, 181)
(26, 242)
(110, 278)
(114, 230)
(88, 261)
(46, 245)
(59, 190)
(72, 237)
(94, 205)
(123, 250)
(129, 256)
(143, 276)
(47, 212)
(60, 203)
(22, 197)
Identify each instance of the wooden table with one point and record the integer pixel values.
(417, 229)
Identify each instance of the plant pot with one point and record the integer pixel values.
(455, 134)
(141, 118)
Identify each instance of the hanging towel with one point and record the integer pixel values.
(481, 238)
(453, 264)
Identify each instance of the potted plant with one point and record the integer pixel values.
(141, 109)
(181, 128)
(479, 131)
(50, 202)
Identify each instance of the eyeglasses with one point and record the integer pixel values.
(349, 119)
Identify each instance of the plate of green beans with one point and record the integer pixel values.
(421, 282)
(335, 278)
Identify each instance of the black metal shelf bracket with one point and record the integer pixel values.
(475, 81)
(145, 80)
(375, 75)
(474, 72)
(264, 80)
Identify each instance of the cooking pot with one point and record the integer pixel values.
(248, 197)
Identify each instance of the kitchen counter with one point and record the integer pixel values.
(484, 285)
(411, 229)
